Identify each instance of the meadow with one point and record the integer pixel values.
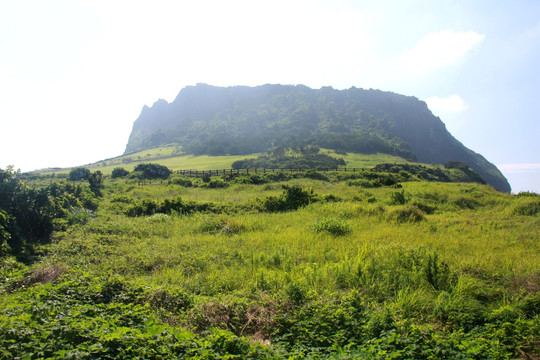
(423, 270)
(174, 158)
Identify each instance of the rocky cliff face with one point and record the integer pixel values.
(242, 120)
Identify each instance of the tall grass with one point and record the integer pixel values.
(341, 274)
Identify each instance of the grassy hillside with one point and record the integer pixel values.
(174, 159)
(344, 270)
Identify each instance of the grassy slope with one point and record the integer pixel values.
(273, 278)
(173, 158)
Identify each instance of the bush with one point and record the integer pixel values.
(119, 172)
(331, 225)
(315, 175)
(528, 206)
(405, 214)
(79, 216)
(465, 202)
(362, 183)
(427, 208)
(168, 206)
(293, 197)
(216, 184)
(398, 197)
(153, 171)
(182, 182)
(221, 224)
(79, 173)
(29, 216)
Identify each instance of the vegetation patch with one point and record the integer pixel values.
(221, 224)
(527, 205)
(307, 157)
(404, 214)
(331, 225)
(292, 198)
(268, 268)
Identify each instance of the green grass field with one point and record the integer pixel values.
(174, 159)
(424, 271)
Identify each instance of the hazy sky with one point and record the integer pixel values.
(74, 75)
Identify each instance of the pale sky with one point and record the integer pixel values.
(75, 74)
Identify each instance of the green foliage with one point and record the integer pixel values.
(331, 225)
(5, 236)
(79, 173)
(81, 316)
(222, 224)
(167, 206)
(465, 202)
(292, 198)
(216, 184)
(27, 216)
(398, 197)
(404, 214)
(527, 205)
(95, 179)
(214, 274)
(152, 171)
(119, 172)
(182, 182)
(307, 159)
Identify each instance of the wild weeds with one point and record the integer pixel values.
(333, 226)
(449, 273)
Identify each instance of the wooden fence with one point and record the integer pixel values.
(197, 173)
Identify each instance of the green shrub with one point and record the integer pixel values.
(153, 171)
(221, 224)
(182, 182)
(168, 206)
(316, 175)
(331, 225)
(425, 207)
(119, 172)
(398, 197)
(293, 197)
(278, 176)
(79, 216)
(331, 198)
(216, 184)
(296, 293)
(409, 213)
(362, 183)
(145, 207)
(122, 199)
(465, 202)
(79, 173)
(527, 206)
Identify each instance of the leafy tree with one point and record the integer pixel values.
(95, 180)
(153, 171)
(5, 236)
(27, 216)
(79, 173)
(119, 172)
